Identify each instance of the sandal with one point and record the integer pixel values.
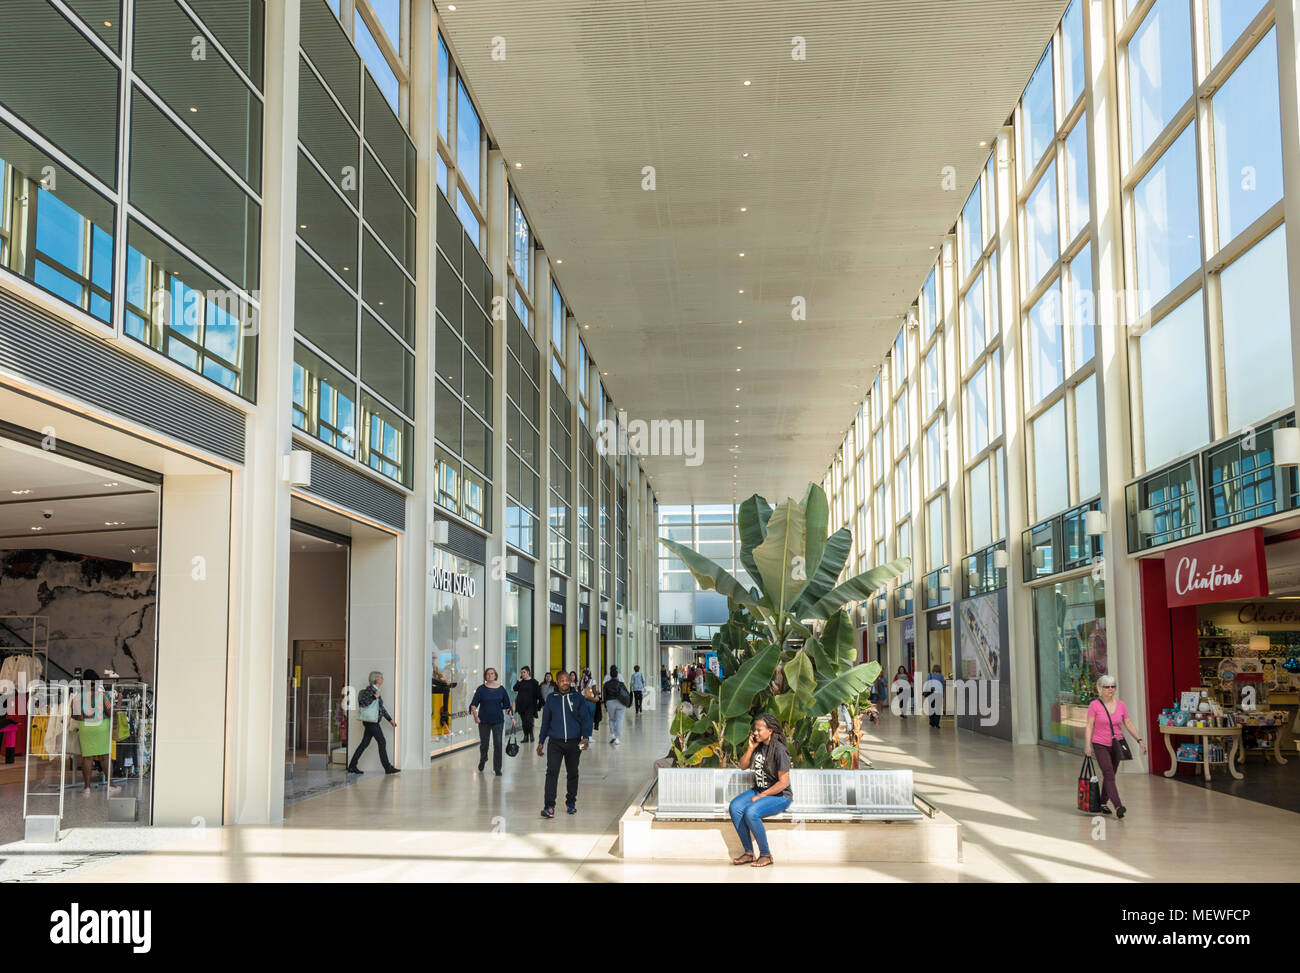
(744, 859)
(761, 862)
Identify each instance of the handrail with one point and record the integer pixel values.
(653, 784)
(926, 808)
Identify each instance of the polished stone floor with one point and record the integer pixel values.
(1016, 804)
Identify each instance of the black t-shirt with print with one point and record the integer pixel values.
(768, 763)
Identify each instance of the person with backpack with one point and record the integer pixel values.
(370, 710)
(488, 707)
(617, 700)
(565, 732)
(638, 687)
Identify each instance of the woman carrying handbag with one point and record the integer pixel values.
(1105, 743)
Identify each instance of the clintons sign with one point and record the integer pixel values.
(1218, 569)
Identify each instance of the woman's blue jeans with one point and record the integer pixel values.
(747, 815)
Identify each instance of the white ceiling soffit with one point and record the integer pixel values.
(843, 187)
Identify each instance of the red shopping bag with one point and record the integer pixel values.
(1089, 792)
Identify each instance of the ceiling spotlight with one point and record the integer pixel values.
(744, 155)
(38, 528)
(748, 83)
(740, 322)
(20, 493)
(983, 142)
(113, 484)
(737, 388)
(587, 326)
(519, 165)
(741, 291)
(192, 108)
(604, 373)
(114, 523)
(108, 23)
(744, 209)
(559, 261)
(738, 347)
(742, 253)
(451, 6)
(737, 369)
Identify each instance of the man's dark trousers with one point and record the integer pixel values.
(567, 751)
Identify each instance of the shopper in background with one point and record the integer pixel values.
(616, 697)
(1102, 738)
(768, 757)
(902, 689)
(370, 710)
(637, 686)
(93, 730)
(590, 690)
(547, 687)
(933, 693)
(566, 726)
(528, 699)
(488, 707)
(663, 679)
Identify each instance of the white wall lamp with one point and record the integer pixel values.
(1146, 522)
(1001, 560)
(1040, 558)
(584, 597)
(907, 593)
(512, 563)
(1094, 522)
(439, 531)
(1286, 446)
(557, 584)
(297, 468)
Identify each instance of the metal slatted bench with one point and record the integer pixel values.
(703, 794)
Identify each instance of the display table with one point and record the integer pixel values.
(1272, 719)
(1204, 732)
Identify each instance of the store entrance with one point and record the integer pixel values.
(316, 723)
(1228, 672)
(78, 613)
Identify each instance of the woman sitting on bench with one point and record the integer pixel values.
(768, 757)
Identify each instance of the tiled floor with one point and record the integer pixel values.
(452, 824)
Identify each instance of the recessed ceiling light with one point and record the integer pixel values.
(113, 484)
(114, 523)
(559, 261)
(519, 165)
(740, 322)
(983, 142)
(737, 388)
(451, 6)
(741, 291)
(302, 226)
(738, 347)
(192, 108)
(742, 253)
(20, 493)
(737, 369)
(604, 373)
(744, 155)
(747, 83)
(587, 327)
(744, 209)
(38, 528)
(108, 23)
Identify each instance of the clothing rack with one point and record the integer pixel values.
(35, 646)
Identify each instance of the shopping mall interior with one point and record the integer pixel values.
(357, 354)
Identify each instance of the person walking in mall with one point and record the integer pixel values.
(637, 687)
(902, 690)
(589, 689)
(768, 757)
(933, 692)
(616, 698)
(488, 707)
(528, 699)
(565, 733)
(545, 689)
(93, 730)
(1102, 739)
(370, 710)
(664, 684)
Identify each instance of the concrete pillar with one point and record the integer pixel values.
(373, 625)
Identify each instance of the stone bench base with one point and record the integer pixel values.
(937, 839)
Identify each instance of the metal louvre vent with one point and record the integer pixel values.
(43, 348)
(337, 483)
(466, 543)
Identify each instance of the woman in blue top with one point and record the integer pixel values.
(488, 707)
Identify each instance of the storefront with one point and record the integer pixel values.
(584, 628)
(1070, 642)
(518, 649)
(556, 604)
(938, 634)
(1221, 626)
(457, 602)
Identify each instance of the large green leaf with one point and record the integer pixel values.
(739, 691)
(775, 557)
(751, 521)
(844, 687)
(681, 724)
(817, 517)
(838, 640)
(828, 571)
(711, 577)
(858, 588)
(785, 708)
(737, 733)
(822, 660)
(799, 674)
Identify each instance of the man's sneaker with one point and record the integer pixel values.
(548, 812)
(571, 808)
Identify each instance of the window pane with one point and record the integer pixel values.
(386, 289)
(468, 220)
(386, 366)
(446, 417)
(934, 459)
(1051, 487)
(936, 546)
(104, 17)
(1256, 332)
(973, 305)
(1175, 410)
(1159, 71)
(59, 84)
(1038, 115)
(933, 380)
(1228, 18)
(237, 24)
(334, 57)
(325, 314)
(1167, 229)
(1248, 141)
(1087, 445)
(185, 192)
(444, 92)
(1072, 65)
(902, 435)
(1042, 238)
(388, 215)
(376, 63)
(469, 134)
(325, 222)
(980, 513)
(1083, 321)
(327, 134)
(389, 13)
(977, 413)
(929, 309)
(387, 140)
(324, 401)
(206, 93)
(1076, 177)
(972, 232)
(1046, 362)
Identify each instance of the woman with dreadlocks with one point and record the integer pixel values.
(768, 757)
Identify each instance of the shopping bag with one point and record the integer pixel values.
(1089, 790)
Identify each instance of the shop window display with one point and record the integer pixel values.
(1070, 633)
(457, 599)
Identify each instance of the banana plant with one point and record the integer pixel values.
(796, 568)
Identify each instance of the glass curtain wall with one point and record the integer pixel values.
(687, 613)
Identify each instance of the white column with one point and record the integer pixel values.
(497, 206)
(373, 626)
(259, 549)
(1288, 14)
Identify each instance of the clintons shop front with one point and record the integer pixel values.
(1221, 631)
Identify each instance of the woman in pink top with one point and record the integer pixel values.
(1100, 741)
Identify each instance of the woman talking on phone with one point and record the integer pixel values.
(768, 757)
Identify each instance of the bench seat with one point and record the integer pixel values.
(703, 794)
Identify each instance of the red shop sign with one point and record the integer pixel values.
(1217, 569)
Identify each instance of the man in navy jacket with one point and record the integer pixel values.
(566, 723)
